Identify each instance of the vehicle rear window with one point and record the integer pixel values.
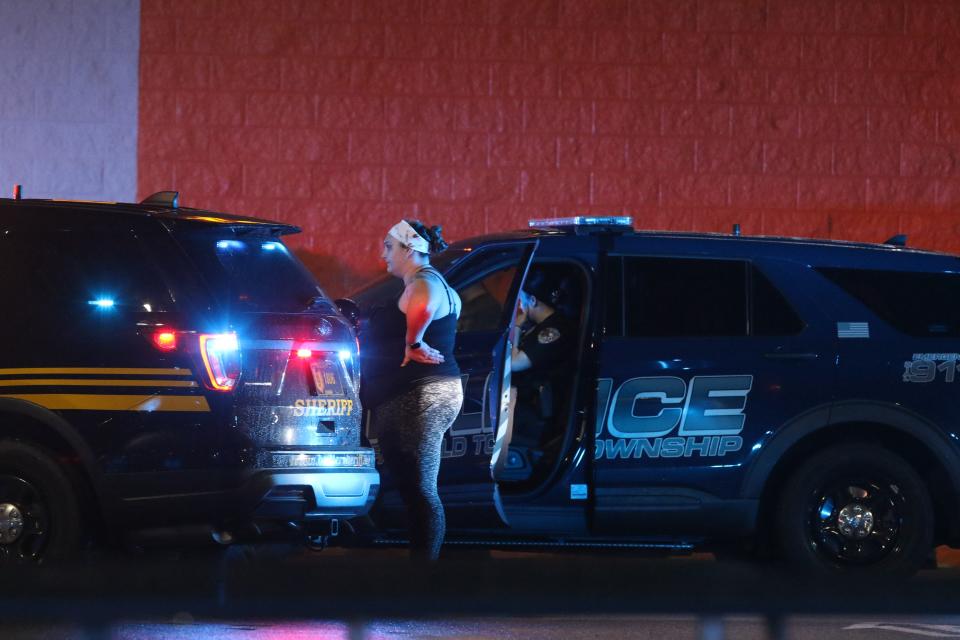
(919, 304)
(253, 272)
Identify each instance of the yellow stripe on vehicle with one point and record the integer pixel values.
(90, 382)
(97, 371)
(96, 402)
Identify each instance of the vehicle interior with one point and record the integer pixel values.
(541, 423)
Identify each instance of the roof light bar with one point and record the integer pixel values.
(583, 221)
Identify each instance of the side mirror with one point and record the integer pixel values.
(350, 311)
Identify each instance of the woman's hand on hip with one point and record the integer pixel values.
(424, 354)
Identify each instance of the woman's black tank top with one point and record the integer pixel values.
(383, 343)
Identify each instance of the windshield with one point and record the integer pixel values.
(253, 271)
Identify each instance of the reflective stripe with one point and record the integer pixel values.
(98, 371)
(94, 402)
(89, 382)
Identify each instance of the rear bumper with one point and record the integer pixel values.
(233, 500)
(310, 494)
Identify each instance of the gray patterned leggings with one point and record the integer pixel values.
(410, 430)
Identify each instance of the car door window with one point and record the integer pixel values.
(484, 301)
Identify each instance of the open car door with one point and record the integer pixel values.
(478, 440)
(488, 280)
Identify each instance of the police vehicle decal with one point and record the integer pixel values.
(91, 382)
(323, 407)
(97, 402)
(470, 434)
(927, 367)
(853, 329)
(55, 377)
(708, 415)
(98, 371)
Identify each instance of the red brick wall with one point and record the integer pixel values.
(828, 118)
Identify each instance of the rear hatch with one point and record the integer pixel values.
(294, 389)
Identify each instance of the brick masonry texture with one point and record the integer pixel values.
(831, 118)
(68, 98)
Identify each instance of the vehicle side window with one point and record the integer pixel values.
(71, 270)
(484, 300)
(915, 303)
(669, 297)
(771, 314)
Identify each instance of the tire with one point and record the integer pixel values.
(39, 510)
(856, 509)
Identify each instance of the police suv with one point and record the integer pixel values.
(794, 395)
(167, 367)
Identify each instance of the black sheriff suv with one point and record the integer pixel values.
(168, 369)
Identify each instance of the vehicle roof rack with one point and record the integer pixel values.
(584, 223)
(168, 198)
(897, 240)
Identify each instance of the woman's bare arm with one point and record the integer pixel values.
(420, 303)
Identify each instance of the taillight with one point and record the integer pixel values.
(165, 340)
(221, 359)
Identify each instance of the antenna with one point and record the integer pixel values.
(169, 198)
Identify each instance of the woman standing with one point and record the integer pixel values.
(410, 380)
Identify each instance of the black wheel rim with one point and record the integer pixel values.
(856, 521)
(29, 545)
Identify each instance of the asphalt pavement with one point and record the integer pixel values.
(184, 627)
(354, 594)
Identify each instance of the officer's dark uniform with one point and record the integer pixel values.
(550, 346)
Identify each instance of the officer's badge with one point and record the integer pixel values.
(548, 335)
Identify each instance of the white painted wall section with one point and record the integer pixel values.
(69, 85)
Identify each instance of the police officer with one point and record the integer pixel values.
(544, 343)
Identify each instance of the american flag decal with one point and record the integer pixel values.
(853, 330)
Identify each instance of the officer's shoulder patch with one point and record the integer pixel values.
(548, 335)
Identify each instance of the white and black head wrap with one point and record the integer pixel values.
(407, 235)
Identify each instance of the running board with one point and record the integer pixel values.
(660, 546)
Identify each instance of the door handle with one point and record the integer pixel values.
(777, 355)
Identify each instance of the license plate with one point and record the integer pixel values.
(326, 379)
